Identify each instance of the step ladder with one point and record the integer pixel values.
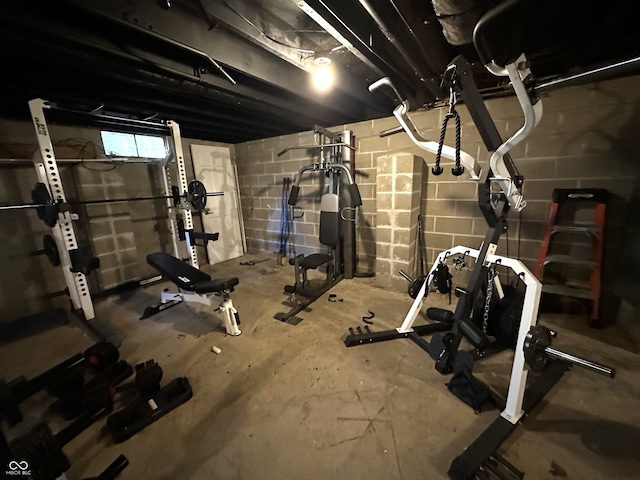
(570, 257)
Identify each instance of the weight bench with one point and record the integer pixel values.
(195, 286)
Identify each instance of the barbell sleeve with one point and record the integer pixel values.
(582, 362)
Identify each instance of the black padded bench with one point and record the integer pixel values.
(195, 286)
(187, 277)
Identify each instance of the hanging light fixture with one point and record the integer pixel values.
(323, 77)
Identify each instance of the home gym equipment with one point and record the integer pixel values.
(499, 189)
(101, 391)
(194, 286)
(337, 227)
(50, 249)
(41, 450)
(52, 206)
(98, 356)
(143, 411)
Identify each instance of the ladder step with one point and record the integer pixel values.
(567, 291)
(569, 260)
(576, 228)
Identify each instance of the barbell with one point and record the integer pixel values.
(48, 209)
(538, 350)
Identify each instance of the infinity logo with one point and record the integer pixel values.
(14, 465)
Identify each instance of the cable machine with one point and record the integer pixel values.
(499, 190)
(338, 215)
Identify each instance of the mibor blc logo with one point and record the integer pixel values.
(18, 468)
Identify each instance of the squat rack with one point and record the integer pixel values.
(63, 231)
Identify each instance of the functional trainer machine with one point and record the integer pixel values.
(337, 227)
(499, 189)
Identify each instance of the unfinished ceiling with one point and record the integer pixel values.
(236, 70)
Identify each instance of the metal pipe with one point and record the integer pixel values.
(394, 41)
(589, 75)
(567, 357)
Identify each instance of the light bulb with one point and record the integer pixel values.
(324, 77)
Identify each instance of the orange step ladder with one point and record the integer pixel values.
(566, 264)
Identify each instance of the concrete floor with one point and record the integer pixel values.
(292, 402)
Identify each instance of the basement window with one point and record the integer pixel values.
(133, 145)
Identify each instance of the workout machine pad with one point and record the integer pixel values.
(187, 277)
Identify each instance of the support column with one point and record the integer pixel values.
(398, 185)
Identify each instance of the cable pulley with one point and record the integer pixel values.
(48, 209)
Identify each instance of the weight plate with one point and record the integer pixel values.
(415, 285)
(47, 211)
(51, 249)
(537, 339)
(197, 195)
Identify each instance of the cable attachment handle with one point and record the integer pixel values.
(458, 169)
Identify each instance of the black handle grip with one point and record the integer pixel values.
(293, 196)
(356, 199)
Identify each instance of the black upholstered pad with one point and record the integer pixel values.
(217, 285)
(182, 274)
(187, 277)
(329, 220)
(314, 260)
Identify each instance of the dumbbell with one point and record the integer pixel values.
(41, 451)
(19, 389)
(102, 393)
(415, 284)
(97, 358)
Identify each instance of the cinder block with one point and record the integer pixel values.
(401, 236)
(401, 253)
(103, 245)
(439, 241)
(384, 251)
(373, 144)
(454, 225)
(384, 234)
(125, 241)
(456, 191)
(403, 183)
(384, 184)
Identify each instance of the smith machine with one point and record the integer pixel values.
(499, 189)
(338, 214)
(50, 202)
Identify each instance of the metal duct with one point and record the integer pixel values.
(459, 17)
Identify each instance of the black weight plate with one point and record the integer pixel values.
(415, 285)
(47, 211)
(51, 249)
(197, 195)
